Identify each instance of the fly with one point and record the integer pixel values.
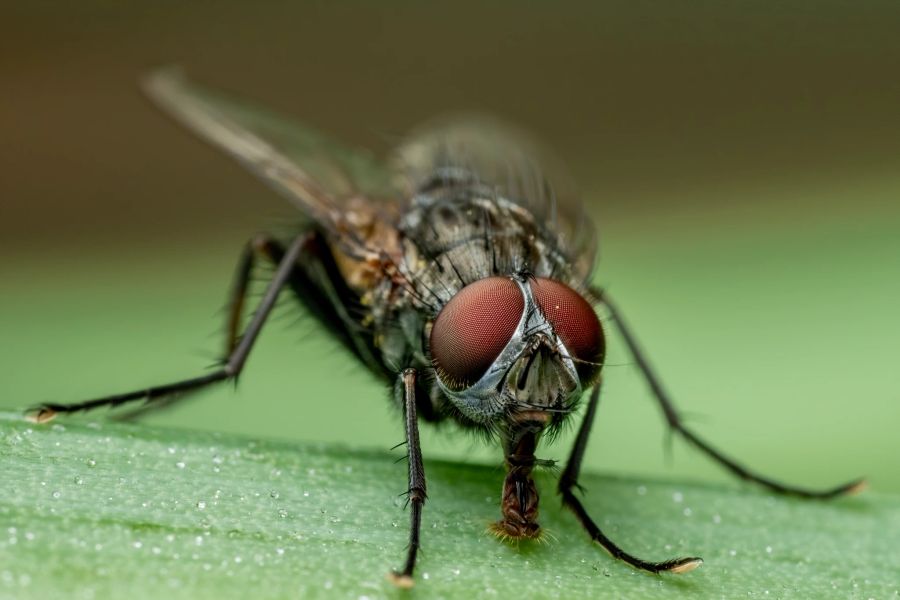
(460, 271)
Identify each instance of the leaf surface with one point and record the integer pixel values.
(102, 510)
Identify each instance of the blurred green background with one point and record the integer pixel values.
(742, 161)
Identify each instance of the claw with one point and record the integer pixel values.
(40, 414)
(857, 487)
(401, 580)
(685, 565)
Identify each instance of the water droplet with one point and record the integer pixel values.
(180, 465)
(91, 462)
(156, 550)
(171, 450)
(768, 549)
(238, 559)
(274, 494)
(306, 494)
(282, 513)
(642, 490)
(138, 544)
(687, 511)
(732, 552)
(201, 505)
(279, 551)
(678, 497)
(29, 536)
(717, 519)
(56, 494)
(78, 480)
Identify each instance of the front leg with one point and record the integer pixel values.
(406, 386)
(568, 481)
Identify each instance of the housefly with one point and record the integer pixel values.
(460, 270)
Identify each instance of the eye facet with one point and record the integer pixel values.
(574, 321)
(473, 328)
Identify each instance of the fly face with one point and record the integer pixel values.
(459, 271)
(515, 353)
(516, 350)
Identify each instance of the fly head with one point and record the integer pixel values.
(514, 353)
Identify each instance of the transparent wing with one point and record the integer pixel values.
(509, 161)
(318, 175)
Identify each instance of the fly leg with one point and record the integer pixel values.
(675, 422)
(568, 481)
(261, 246)
(406, 386)
(233, 364)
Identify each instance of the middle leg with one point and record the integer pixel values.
(673, 418)
(230, 369)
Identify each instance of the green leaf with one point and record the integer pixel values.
(117, 511)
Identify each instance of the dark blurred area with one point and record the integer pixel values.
(742, 160)
(650, 103)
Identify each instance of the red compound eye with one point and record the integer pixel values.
(574, 321)
(473, 328)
